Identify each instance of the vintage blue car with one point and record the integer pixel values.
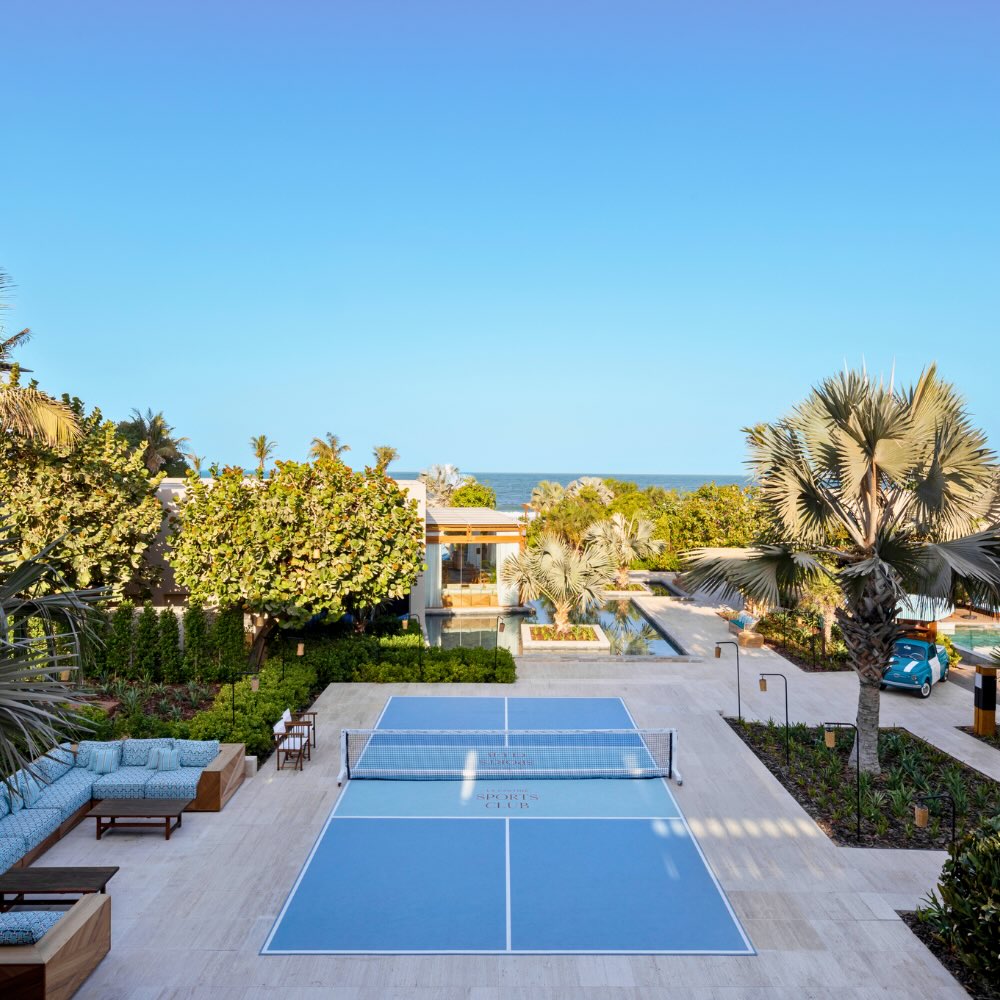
(916, 665)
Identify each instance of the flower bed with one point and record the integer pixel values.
(576, 633)
(615, 588)
(822, 781)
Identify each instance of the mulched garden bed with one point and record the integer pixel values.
(822, 781)
(992, 741)
(805, 662)
(548, 633)
(975, 986)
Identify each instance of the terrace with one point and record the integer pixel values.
(191, 916)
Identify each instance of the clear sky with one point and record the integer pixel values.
(518, 235)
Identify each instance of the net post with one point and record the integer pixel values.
(345, 767)
(674, 772)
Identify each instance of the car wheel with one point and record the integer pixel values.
(882, 687)
(925, 689)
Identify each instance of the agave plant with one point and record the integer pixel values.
(886, 492)
(44, 627)
(570, 578)
(624, 540)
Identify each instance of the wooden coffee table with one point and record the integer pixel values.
(24, 884)
(114, 813)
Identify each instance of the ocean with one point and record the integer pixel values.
(514, 488)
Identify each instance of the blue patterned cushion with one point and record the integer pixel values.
(197, 753)
(20, 791)
(125, 783)
(12, 849)
(4, 804)
(135, 753)
(27, 926)
(57, 762)
(32, 824)
(86, 747)
(168, 760)
(68, 793)
(179, 784)
(105, 761)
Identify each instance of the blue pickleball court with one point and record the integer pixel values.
(508, 864)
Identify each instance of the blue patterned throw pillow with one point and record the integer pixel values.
(197, 753)
(168, 760)
(86, 748)
(105, 760)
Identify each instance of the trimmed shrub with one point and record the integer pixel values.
(229, 644)
(118, 648)
(171, 662)
(146, 652)
(197, 642)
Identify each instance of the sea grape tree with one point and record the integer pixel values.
(315, 539)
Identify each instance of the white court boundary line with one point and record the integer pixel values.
(267, 950)
(711, 872)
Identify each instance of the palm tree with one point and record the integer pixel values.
(546, 495)
(441, 481)
(44, 627)
(570, 578)
(384, 455)
(152, 433)
(197, 461)
(263, 449)
(328, 448)
(591, 484)
(23, 409)
(624, 540)
(885, 491)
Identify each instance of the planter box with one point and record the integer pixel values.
(614, 595)
(599, 645)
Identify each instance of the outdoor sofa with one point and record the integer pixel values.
(47, 954)
(46, 805)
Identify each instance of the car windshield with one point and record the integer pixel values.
(911, 651)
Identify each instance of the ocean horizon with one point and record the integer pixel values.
(514, 488)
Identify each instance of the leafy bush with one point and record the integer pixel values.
(473, 494)
(146, 658)
(965, 918)
(197, 642)
(229, 644)
(118, 651)
(171, 662)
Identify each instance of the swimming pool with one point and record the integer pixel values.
(978, 640)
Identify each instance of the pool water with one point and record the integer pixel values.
(630, 632)
(979, 640)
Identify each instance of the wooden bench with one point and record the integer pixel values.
(57, 966)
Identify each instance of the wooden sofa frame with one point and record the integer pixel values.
(216, 786)
(55, 967)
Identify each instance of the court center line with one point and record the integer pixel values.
(507, 849)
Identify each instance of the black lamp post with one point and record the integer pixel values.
(921, 813)
(254, 686)
(501, 625)
(763, 687)
(718, 656)
(831, 741)
(411, 617)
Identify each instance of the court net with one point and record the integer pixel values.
(485, 754)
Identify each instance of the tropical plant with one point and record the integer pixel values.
(570, 578)
(473, 494)
(593, 485)
(314, 539)
(329, 447)
(44, 628)
(154, 438)
(263, 448)
(441, 482)
(624, 541)
(385, 455)
(893, 489)
(24, 410)
(546, 495)
(97, 494)
(197, 461)
(822, 596)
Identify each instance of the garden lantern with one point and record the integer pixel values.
(255, 683)
(921, 815)
(300, 649)
(830, 737)
(718, 652)
(763, 683)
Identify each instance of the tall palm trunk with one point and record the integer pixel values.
(870, 630)
(623, 578)
(560, 616)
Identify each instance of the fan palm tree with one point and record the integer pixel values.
(441, 482)
(263, 448)
(328, 447)
(546, 495)
(887, 492)
(570, 578)
(152, 433)
(591, 484)
(24, 410)
(624, 540)
(44, 628)
(384, 455)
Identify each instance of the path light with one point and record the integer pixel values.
(763, 687)
(763, 683)
(300, 649)
(718, 656)
(830, 737)
(921, 814)
(255, 683)
(501, 626)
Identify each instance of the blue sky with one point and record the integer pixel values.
(518, 236)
